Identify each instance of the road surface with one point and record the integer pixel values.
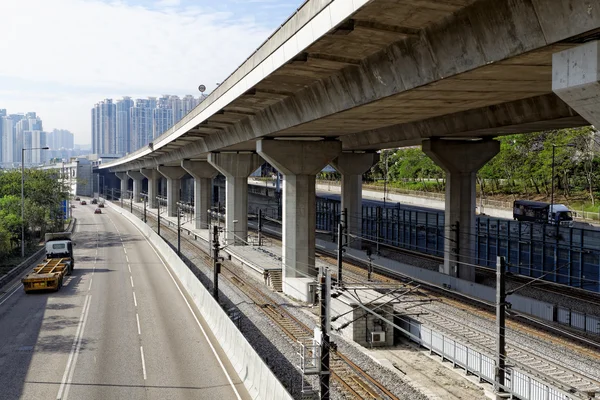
(118, 329)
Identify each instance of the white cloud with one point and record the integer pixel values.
(68, 54)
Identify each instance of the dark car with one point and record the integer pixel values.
(101, 205)
(77, 198)
(94, 201)
(83, 202)
(98, 211)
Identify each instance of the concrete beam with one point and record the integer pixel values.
(576, 79)
(203, 173)
(534, 114)
(153, 177)
(299, 161)
(236, 168)
(124, 183)
(173, 176)
(137, 184)
(461, 160)
(352, 166)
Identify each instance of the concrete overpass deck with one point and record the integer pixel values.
(386, 73)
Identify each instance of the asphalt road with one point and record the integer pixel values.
(118, 329)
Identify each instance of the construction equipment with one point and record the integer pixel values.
(50, 273)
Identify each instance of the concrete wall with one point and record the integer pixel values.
(251, 369)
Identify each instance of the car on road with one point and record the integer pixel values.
(94, 201)
(83, 202)
(77, 198)
(97, 210)
(101, 205)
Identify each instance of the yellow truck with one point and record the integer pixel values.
(59, 262)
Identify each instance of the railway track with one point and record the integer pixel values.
(347, 376)
(551, 371)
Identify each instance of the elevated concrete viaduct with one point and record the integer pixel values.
(386, 73)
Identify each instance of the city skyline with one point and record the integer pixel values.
(125, 125)
(26, 130)
(184, 44)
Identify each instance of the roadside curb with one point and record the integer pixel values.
(30, 260)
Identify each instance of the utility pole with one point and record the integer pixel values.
(178, 230)
(340, 247)
(325, 343)
(500, 324)
(216, 263)
(260, 227)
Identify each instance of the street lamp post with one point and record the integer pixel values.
(23, 195)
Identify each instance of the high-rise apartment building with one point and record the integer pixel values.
(162, 116)
(60, 139)
(135, 123)
(124, 107)
(34, 139)
(141, 124)
(104, 127)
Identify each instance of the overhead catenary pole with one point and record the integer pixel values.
(500, 325)
(340, 248)
(216, 263)
(260, 227)
(158, 215)
(178, 230)
(325, 341)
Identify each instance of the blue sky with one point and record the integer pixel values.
(66, 55)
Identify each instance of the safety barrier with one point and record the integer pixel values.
(256, 376)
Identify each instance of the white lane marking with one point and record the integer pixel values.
(129, 267)
(195, 318)
(131, 278)
(125, 250)
(126, 258)
(77, 353)
(143, 362)
(90, 287)
(137, 318)
(134, 299)
(13, 292)
(73, 347)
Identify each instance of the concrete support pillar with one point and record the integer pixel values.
(124, 183)
(203, 173)
(236, 168)
(461, 160)
(352, 166)
(137, 184)
(299, 161)
(153, 178)
(576, 77)
(173, 176)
